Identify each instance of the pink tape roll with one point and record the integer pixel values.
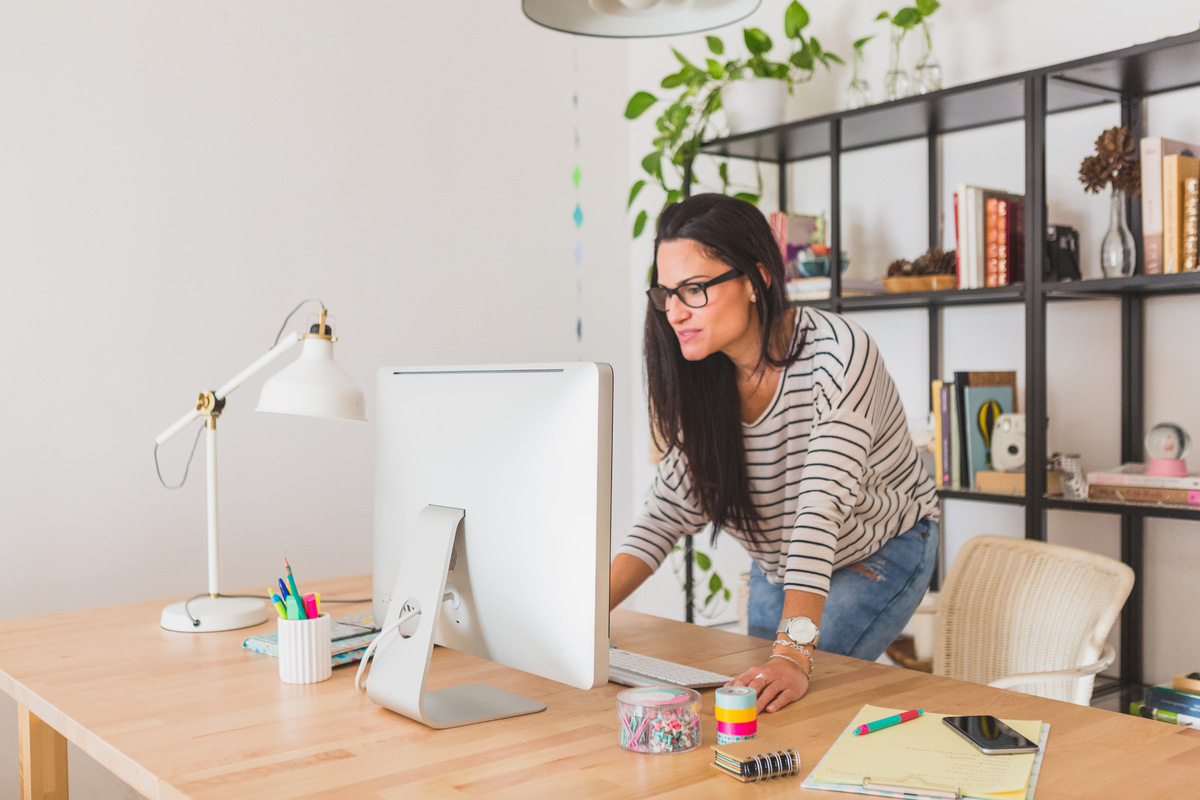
(738, 728)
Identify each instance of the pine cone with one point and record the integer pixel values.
(899, 267)
(1094, 174)
(1115, 163)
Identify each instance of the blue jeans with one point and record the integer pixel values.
(863, 613)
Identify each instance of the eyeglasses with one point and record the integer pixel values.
(692, 295)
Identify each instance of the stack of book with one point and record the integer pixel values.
(1129, 483)
(963, 433)
(818, 288)
(989, 227)
(1170, 186)
(1178, 704)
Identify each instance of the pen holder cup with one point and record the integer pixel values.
(305, 650)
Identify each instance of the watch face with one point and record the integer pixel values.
(802, 630)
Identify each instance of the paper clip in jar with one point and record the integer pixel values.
(659, 719)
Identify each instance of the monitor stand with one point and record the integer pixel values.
(401, 666)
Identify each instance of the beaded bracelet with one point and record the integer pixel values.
(800, 647)
(807, 672)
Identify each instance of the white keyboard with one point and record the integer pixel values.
(633, 669)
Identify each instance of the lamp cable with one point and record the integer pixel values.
(370, 651)
(316, 300)
(186, 467)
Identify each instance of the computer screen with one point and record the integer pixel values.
(526, 452)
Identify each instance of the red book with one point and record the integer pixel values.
(991, 253)
(1002, 242)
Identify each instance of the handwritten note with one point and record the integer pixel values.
(928, 749)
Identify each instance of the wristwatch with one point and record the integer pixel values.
(800, 630)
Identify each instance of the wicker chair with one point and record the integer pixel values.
(1019, 613)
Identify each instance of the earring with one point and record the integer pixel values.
(753, 297)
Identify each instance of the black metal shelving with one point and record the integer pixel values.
(1125, 78)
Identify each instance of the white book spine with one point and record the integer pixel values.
(1152, 218)
(1188, 484)
(980, 239)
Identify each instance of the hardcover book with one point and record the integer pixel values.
(984, 405)
(1153, 148)
(1168, 699)
(1143, 494)
(1135, 475)
(1175, 170)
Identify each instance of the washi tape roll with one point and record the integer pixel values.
(738, 728)
(736, 697)
(735, 714)
(725, 738)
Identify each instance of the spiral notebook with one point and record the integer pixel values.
(756, 760)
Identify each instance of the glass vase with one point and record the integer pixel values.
(927, 74)
(1117, 248)
(895, 80)
(859, 93)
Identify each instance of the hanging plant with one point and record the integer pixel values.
(687, 120)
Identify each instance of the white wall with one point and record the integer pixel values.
(884, 217)
(175, 177)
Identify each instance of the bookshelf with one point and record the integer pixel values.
(1125, 77)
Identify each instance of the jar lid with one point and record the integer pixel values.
(659, 697)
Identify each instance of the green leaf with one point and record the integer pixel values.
(834, 58)
(715, 45)
(927, 7)
(675, 196)
(639, 224)
(727, 595)
(907, 18)
(674, 80)
(862, 42)
(723, 172)
(703, 561)
(683, 60)
(882, 15)
(714, 583)
(709, 599)
(794, 20)
(749, 198)
(633, 193)
(638, 104)
(757, 41)
(802, 58)
(777, 71)
(814, 45)
(653, 164)
(715, 69)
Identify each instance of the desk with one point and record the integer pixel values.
(195, 716)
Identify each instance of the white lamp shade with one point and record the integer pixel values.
(628, 19)
(313, 386)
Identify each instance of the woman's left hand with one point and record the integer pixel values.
(778, 683)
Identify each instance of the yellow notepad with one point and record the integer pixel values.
(926, 749)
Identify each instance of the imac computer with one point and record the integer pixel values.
(492, 503)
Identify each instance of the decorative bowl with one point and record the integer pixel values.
(818, 266)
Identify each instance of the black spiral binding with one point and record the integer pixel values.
(780, 764)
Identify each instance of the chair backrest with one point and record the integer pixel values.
(1015, 606)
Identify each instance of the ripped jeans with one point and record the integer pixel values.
(867, 607)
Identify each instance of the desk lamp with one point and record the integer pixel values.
(311, 386)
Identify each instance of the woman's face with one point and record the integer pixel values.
(728, 323)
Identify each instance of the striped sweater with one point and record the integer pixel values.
(832, 468)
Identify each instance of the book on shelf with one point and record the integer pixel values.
(1143, 494)
(819, 288)
(1191, 222)
(984, 405)
(1175, 170)
(989, 233)
(962, 380)
(1170, 699)
(1153, 150)
(1013, 483)
(1135, 475)
(940, 454)
(955, 445)
(1140, 709)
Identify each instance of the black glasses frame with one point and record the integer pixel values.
(660, 295)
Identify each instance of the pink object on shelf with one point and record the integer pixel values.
(1167, 468)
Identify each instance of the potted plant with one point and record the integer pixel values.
(895, 80)
(687, 120)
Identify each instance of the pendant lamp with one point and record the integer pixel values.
(630, 19)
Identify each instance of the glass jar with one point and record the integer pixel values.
(895, 80)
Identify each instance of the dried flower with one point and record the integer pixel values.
(1115, 163)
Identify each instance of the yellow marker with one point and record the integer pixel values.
(317, 595)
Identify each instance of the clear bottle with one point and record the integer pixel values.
(895, 80)
(1117, 252)
(927, 74)
(859, 93)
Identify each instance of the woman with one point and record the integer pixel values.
(783, 429)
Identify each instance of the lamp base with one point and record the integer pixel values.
(214, 614)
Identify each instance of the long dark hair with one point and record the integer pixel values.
(695, 405)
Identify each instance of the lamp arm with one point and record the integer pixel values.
(286, 343)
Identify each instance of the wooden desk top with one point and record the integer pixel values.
(196, 716)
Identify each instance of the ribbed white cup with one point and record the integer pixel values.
(304, 650)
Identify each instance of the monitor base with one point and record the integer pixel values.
(401, 665)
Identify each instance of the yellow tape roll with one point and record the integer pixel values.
(735, 714)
